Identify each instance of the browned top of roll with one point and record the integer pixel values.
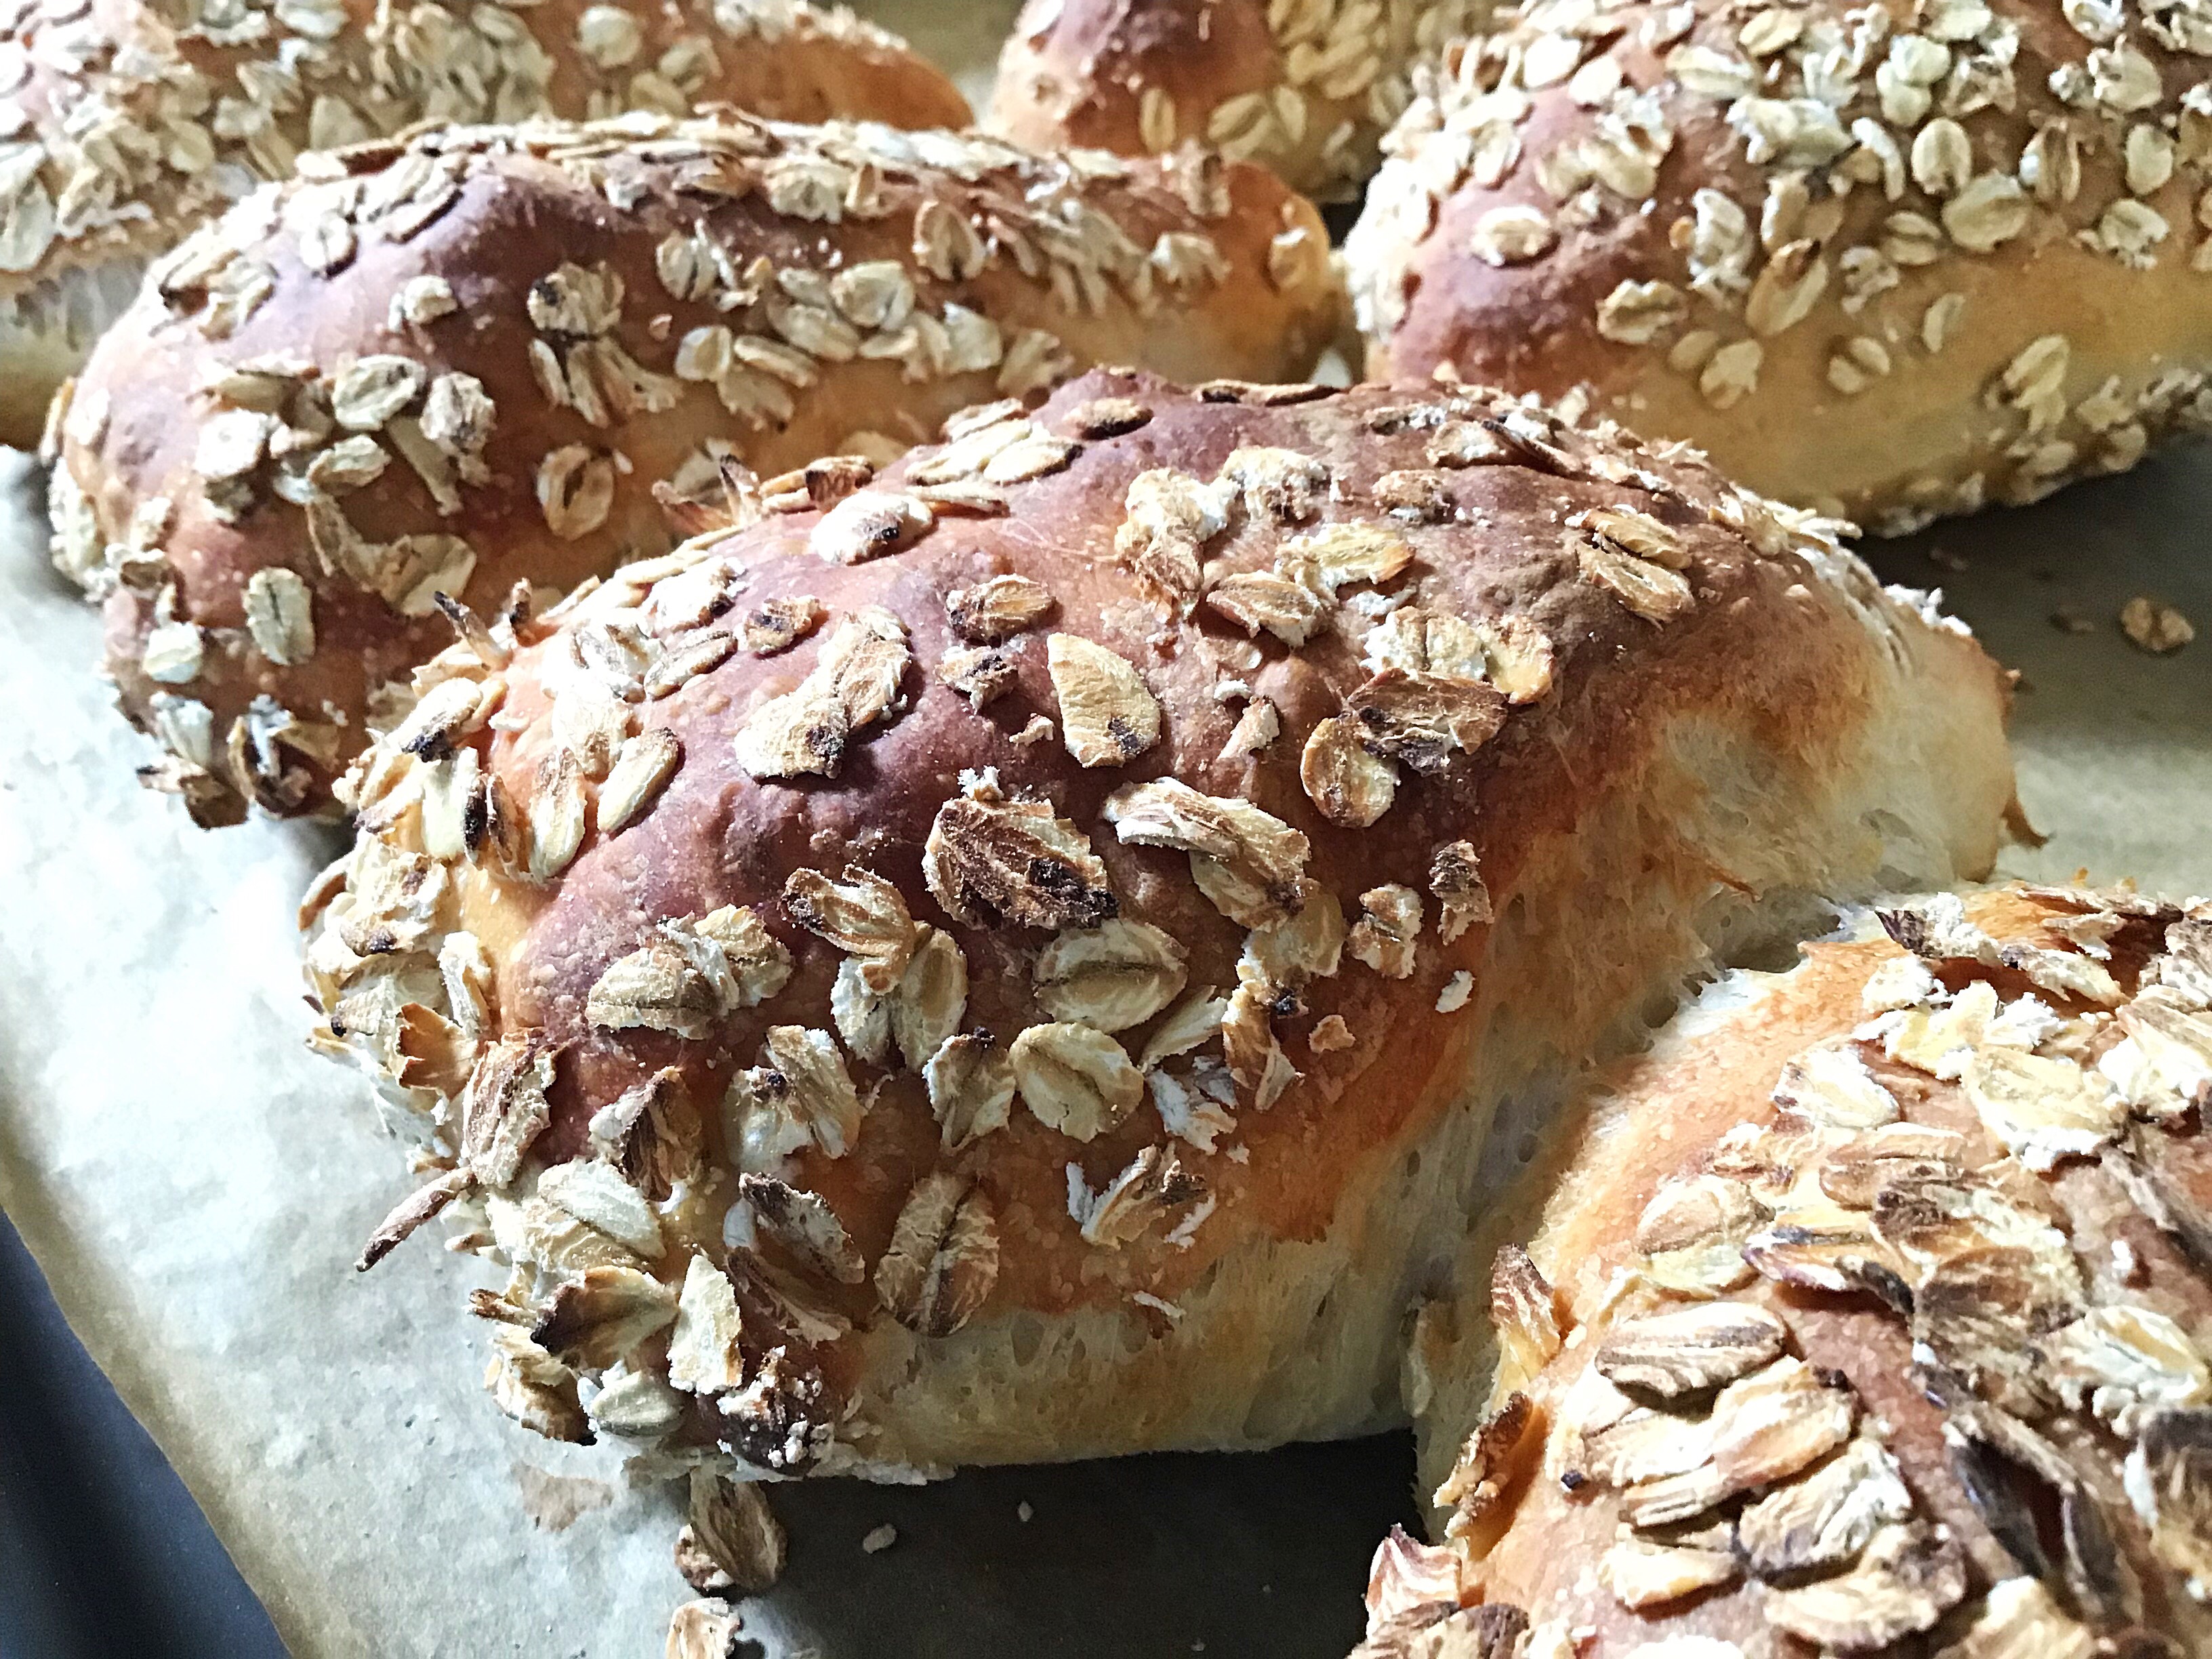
(135, 121)
(1884, 1302)
(1888, 261)
(1304, 87)
(496, 355)
(1052, 760)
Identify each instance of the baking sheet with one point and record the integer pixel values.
(195, 1184)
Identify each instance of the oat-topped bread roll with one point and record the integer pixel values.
(1306, 87)
(1892, 261)
(131, 122)
(1871, 1313)
(506, 355)
(907, 989)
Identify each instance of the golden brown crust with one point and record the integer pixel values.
(1888, 262)
(195, 101)
(1966, 1191)
(691, 291)
(909, 914)
(1306, 87)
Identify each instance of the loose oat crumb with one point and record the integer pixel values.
(2126, 1264)
(1944, 559)
(879, 1539)
(1023, 1513)
(1457, 990)
(2066, 619)
(2155, 625)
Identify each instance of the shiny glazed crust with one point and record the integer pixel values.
(1304, 87)
(504, 354)
(1888, 262)
(136, 122)
(1051, 929)
(1936, 1221)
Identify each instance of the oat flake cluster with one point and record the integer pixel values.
(1987, 1160)
(1825, 169)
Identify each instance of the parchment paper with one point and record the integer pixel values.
(195, 1185)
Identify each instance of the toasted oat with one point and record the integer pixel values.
(799, 1093)
(1832, 1086)
(1260, 599)
(864, 915)
(598, 1196)
(1117, 975)
(1330, 1035)
(1477, 1481)
(1389, 925)
(652, 1133)
(534, 1388)
(2042, 1109)
(776, 625)
(504, 1107)
(730, 1525)
(1651, 591)
(2121, 1362)
(1254, 732)
(868, 524)
(1248, 863)
(803, 1223)
(1456, 879)
(1637, 534)
(1107, 716)
(971, 1087)
(641, 768)
(2154, 626)
(1302, 947)
(601, 1315)
(995, 610)
(1643, 1575)
(1107, 418)
(855, 683)
(980, 673)
(1526, 1312)
(410, 1212)
(703, 1354)
(1821, 1522)
(1422, 719)
(691, 976)
(1338, 555)
(2020, 1620)
(706, 1628)
(1152, 1186)
(1075, 1079)
(1170, 518)
(943, 1258)
(1257, 1064)
(1690, 1350)
(1908, 1577)
(280, 615)
(1351, 786)
(989, 857)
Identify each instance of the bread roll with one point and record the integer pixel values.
(1868, 1314)
(489, 356)
(1041, 967)
(134, 122)
(1888, 262)
(1306, 86)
